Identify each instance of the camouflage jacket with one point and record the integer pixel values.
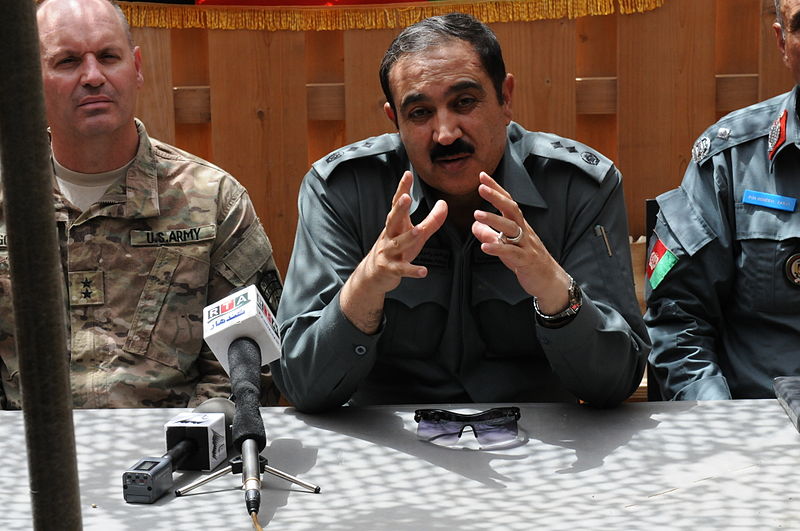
(140, 265)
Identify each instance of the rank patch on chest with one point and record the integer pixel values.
(145, 238)
(86, 288)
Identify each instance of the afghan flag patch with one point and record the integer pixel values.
(659, 263)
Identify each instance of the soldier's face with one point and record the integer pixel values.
(449, 117)
(91, 75)
(789, 38)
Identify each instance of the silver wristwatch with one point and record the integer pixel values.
(565, 315)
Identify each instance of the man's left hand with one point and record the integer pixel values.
(509, 237)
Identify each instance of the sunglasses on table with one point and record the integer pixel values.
(493, 427)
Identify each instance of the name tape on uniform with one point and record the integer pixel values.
(778, 202)
(140, 238)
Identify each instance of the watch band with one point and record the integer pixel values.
(565, 315)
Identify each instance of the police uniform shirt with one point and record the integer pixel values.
(724, 305)
(466, 332)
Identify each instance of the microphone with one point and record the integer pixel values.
(243, 334)
(197, 440)
(249, 435)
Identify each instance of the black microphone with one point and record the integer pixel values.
(249, 435)
(195, 441)
(242, 332)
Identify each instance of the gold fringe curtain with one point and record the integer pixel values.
(375, 16)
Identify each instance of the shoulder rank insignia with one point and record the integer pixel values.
(590, 158)
(777, 134)
(700, 149)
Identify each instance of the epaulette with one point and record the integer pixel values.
(738, 127)
(555, 147)
(375, 145)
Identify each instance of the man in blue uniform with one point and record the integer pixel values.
(724, 265)
(464, 259)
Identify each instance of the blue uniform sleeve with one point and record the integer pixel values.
(686, 301)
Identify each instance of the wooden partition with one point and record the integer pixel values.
(640, 88)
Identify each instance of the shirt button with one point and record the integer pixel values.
(544, 341)
(360, 350)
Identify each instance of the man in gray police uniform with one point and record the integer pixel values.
(417, 277)
(724, 265)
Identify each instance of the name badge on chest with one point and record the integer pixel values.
(778, 202)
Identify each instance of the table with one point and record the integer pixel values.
(665, 465)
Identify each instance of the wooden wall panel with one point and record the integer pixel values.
(666, 96)
(325, 70)
(596, 46)
(364, 99)
(154, 105)
(774, 78)
(737, 36)
(638, 88)
(596, 64)
(542, 58)
(259, 125)
(190, 69)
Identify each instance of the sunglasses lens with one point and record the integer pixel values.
(439, 432)
(495, 432)
(491, 428)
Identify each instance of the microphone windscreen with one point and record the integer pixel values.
(247, 422)
(245, 370)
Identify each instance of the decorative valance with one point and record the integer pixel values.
(310, 15)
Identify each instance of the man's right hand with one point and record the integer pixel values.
(389, 260)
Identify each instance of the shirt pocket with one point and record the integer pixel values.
(416, 316)
(167, 323)
(504, 314)
(767, 240)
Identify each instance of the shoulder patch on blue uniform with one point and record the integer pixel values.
(738, 127)
(364, 148)
(571, 151)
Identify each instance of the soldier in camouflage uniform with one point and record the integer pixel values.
(724, 262)
(170, 235)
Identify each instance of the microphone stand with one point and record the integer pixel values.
(235, 467)
(249, 436)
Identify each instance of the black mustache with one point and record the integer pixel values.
(459, 147)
